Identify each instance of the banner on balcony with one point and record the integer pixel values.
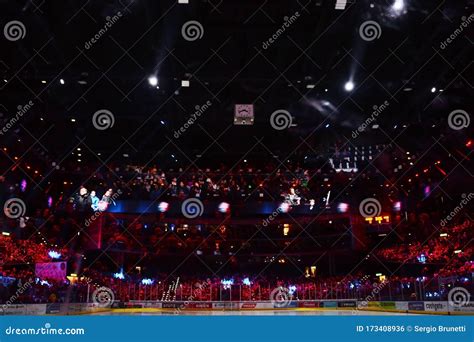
(51, 270)
(243, 114)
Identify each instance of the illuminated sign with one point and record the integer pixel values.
(243, 114)
(378, 219)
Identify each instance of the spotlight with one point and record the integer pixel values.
(349, 86)
(342, 207)
(153, 80)
(163, 207)
(54, 255)
(119, 275)
(397, 206)
(227, 283)
(284, 207)
(292, 289)
(398, 5)
(224, 207)
(62, 81)
(433, 89)
(147, 281)
(23, 185)
(421, 258)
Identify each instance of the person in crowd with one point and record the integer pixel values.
(82, 200)
(107, 198)
(292, 197)
(94, 201)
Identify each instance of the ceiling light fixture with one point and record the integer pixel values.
(153, 80)
(349, 86)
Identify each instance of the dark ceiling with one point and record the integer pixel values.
(303, 71)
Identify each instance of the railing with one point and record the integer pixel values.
(436, 289)
(382, 291)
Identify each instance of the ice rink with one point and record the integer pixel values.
(253, 313)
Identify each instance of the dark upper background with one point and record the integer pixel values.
(227, 66)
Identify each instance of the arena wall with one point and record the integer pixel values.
(420, 307)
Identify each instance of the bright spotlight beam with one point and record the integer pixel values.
(398, 5)
(349, 86)
(153, 80)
